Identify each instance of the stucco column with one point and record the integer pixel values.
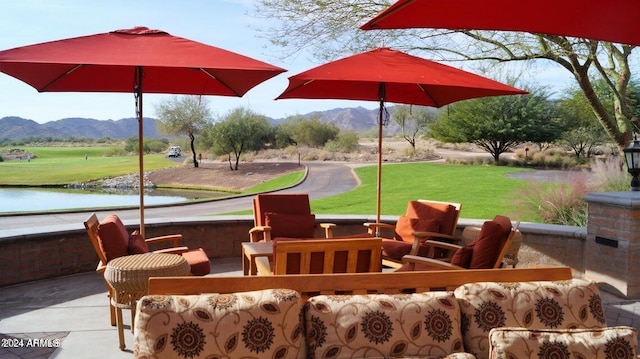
(612, 251)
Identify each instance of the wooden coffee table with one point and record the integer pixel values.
(252, 250)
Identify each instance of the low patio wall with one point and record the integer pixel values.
(47, 252)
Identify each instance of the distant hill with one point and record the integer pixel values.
(17, 128)
(357, 119)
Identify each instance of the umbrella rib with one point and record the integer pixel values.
(45, 87)
(219, 80)
(426, 93)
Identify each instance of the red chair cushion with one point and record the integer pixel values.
(406, 226)
(488, 245)
(198, 260)
(137, 244)
(113, 238)
(393, 249)
(444, 213)
(279, 203)
(291, 225)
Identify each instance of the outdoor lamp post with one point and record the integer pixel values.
(632, 157)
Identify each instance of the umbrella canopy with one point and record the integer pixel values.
(135, 60)
(387, 75)
(611, 20)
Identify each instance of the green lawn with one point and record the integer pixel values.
(484, 191)
(62, 165)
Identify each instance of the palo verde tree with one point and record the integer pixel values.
(183, 115)
(329, 29)
(239, 131)
(497, 124)
(413, 121)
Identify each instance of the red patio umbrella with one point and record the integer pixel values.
(135, 60)
(387, 75)
(610, 20)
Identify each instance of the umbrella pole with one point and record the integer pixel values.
(381, 95)
(138, 90)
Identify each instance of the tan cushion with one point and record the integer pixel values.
(137, 244)
(488, 245)
(444, 213)
(614, 342)
(291, 225)
(383, 326)
(405, 226)
(113, 238)
(566, 304)
(257, 324)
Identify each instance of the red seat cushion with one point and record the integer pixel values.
(198, 260)
(113, 238)
(291, 225)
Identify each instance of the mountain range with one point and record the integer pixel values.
(357, 119)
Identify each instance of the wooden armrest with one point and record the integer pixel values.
(264, 230)
(432, 244)
(379, 225)
(434, 235)
(413, 260)
(175, 238)
(174, 250)
(328, 229)
(442, 245)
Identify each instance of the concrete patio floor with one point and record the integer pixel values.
(68, 317)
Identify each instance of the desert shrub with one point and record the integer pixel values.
(609, 174)
(557, 203)
(115, 151)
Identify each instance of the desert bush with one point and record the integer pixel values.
(558, 203)
(115, 151)
(609, 174)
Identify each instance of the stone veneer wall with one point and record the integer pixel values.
(38, 255)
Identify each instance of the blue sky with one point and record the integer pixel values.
(222, 23)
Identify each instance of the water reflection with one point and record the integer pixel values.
(43, 199)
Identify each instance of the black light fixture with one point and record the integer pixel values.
(632, 157)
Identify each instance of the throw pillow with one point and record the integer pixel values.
(406, 226)
(444, 213)
(462, 257)
(291, 225)
(137, 244)
(613, 342)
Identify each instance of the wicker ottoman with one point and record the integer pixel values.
(128, 277)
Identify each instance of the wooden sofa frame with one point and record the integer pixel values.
(305, 250)
(357, 283)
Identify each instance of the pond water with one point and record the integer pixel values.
(47, 199)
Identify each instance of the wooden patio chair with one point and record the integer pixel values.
(315, 256)
(487, 251)
(284, 216)
(111, 240)
(423, 220)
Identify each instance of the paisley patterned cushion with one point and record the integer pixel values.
(383, 326)
(533, 305)
(613, 342)
(259, 324)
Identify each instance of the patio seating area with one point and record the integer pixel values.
(41, 310)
